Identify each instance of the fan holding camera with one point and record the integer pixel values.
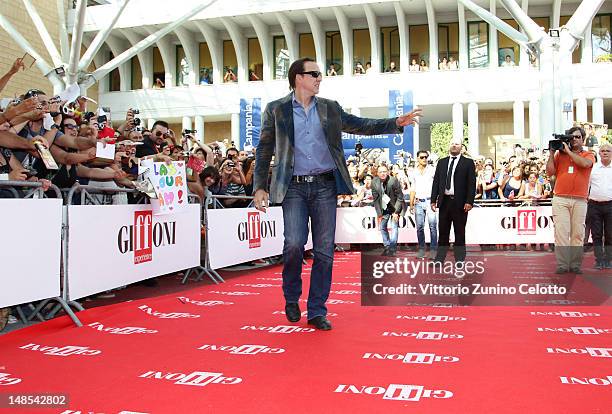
(572, 167)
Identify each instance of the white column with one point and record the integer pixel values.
(150, 123)
(458, 121)
(524, 62)
(473, 137)
(518, 111)
(598, 111)
(416, 140)
(493, 59)
(581, 110)
(236, 129)
(534, 121)
(433, 35)
(186, 123)
(199, 127)
(587, 46)
(463, 42)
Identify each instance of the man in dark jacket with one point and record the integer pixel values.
(388, 198)
(304, 133)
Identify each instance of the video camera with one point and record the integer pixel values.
(556, 144)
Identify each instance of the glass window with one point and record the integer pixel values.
(230, 63)
(136, 73)
(281, 58)
(307, 46)
(333, 49)
(390, 48)
(159, 71)
(361, 50)
(206, 67)
(255, 60)
(448, 46)
(600, 37)
(509, 52)
(478, 44)
(114, 84)
(419, 45)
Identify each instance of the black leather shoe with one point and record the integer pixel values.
(320, 322)
(292, 311)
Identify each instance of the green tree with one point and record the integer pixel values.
(441, 135)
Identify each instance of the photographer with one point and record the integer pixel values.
(572, 168)
(233, 182)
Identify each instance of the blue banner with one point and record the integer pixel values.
(399, 104)
(250, 122)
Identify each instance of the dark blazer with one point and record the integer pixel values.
(277, 138)
(393, 189)
(464, 181)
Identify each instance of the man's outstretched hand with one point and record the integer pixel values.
(411, 118)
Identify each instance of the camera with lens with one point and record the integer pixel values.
(556, 144)
(102, 120)
(135, 111)
(358, 148)
(136, 122)
(231, 164)
(189, 132)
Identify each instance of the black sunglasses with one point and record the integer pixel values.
(423, 157)
(313, 73)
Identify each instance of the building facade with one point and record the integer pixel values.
(495, 88)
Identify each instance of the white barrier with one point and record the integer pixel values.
(31, 250)
(238, 235)
(112, 246)
(485, 225)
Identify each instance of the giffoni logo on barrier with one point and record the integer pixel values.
(526, 222)
(255, 229)
(143, 235)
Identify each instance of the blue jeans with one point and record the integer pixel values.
(423, 208)
(389, 237)
(317, 201)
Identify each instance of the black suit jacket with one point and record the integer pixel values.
(393, 190)
(464, 181)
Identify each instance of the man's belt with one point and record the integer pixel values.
(600, 202)
(326, 176)
(423, 199)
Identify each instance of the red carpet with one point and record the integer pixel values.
(217, 349)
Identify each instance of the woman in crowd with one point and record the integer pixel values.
(423, 66)
(414, 66)
(512, 187)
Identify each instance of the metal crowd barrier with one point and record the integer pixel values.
(36, 191)
(514, 203)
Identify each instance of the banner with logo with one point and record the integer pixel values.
(238, 235)
(112, 246)
(485, 225)
(400, 103)
(31, 250)
(250, 122)
(170, 183)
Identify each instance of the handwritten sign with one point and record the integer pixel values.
(170, 183)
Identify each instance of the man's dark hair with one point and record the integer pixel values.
(295, 68)
(419, 152)
(160, 123)
(33, 92)
(210, 171)
(231, 149)
(576, 128)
